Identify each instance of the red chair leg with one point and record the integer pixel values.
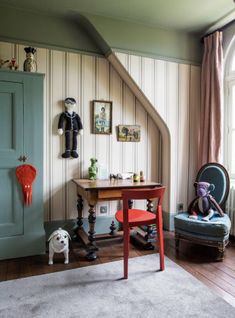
(160, 239)
(126, 239)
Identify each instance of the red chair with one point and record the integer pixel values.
(134, 217)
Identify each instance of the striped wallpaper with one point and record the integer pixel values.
(172, 88)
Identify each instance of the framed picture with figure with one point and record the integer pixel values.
(102, 117)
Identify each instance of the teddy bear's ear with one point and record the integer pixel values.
(211, 187)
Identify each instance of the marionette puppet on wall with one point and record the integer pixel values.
(71, 122)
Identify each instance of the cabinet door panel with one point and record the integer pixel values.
(11, 148)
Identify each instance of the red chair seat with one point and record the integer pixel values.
(136, 216)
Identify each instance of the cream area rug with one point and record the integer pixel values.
(99, 291)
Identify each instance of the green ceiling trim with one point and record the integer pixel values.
(150, 41)
(96, 35)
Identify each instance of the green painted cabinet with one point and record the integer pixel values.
(21, 134)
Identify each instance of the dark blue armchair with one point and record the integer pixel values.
(215, 232)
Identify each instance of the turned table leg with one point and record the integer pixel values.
(149, 246)
(91, 247)
(79, 218)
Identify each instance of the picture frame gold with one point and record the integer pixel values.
(102, 117)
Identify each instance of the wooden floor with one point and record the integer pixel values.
(198, 260)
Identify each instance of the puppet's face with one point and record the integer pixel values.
(70, 106)
(204, 188)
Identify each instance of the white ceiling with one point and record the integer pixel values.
(181, 15)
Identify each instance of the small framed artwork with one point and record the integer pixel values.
(101, 117)
(129, 133)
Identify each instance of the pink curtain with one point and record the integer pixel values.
(211, 90)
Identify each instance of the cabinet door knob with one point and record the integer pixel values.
(23, 158)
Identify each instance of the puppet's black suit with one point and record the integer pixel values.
(72, 124)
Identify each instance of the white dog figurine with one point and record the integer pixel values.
(58, 243)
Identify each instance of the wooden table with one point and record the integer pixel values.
(101, 190)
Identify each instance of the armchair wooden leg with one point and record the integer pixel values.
(221, 248)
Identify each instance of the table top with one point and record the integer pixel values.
(89, 185)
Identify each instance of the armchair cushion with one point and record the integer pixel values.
(217, 229)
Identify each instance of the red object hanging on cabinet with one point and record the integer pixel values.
(26, 175)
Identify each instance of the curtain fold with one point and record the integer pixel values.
(211, 100)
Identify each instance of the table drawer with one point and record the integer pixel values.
(110, 194)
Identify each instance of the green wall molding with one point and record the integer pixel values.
(148, 41)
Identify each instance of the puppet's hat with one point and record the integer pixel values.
(70, 100)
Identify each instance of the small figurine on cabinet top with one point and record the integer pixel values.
(73, 125)
(30, 64)
(13, 65)
(92, 170)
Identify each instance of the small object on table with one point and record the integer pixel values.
(136, 177)
(111, 176)
(142, 176)
(92, 170)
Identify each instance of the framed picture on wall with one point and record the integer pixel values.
(129, 133)
(101, 117)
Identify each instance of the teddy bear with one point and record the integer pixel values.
(73, 125)
(204, 202)
(92, 170)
